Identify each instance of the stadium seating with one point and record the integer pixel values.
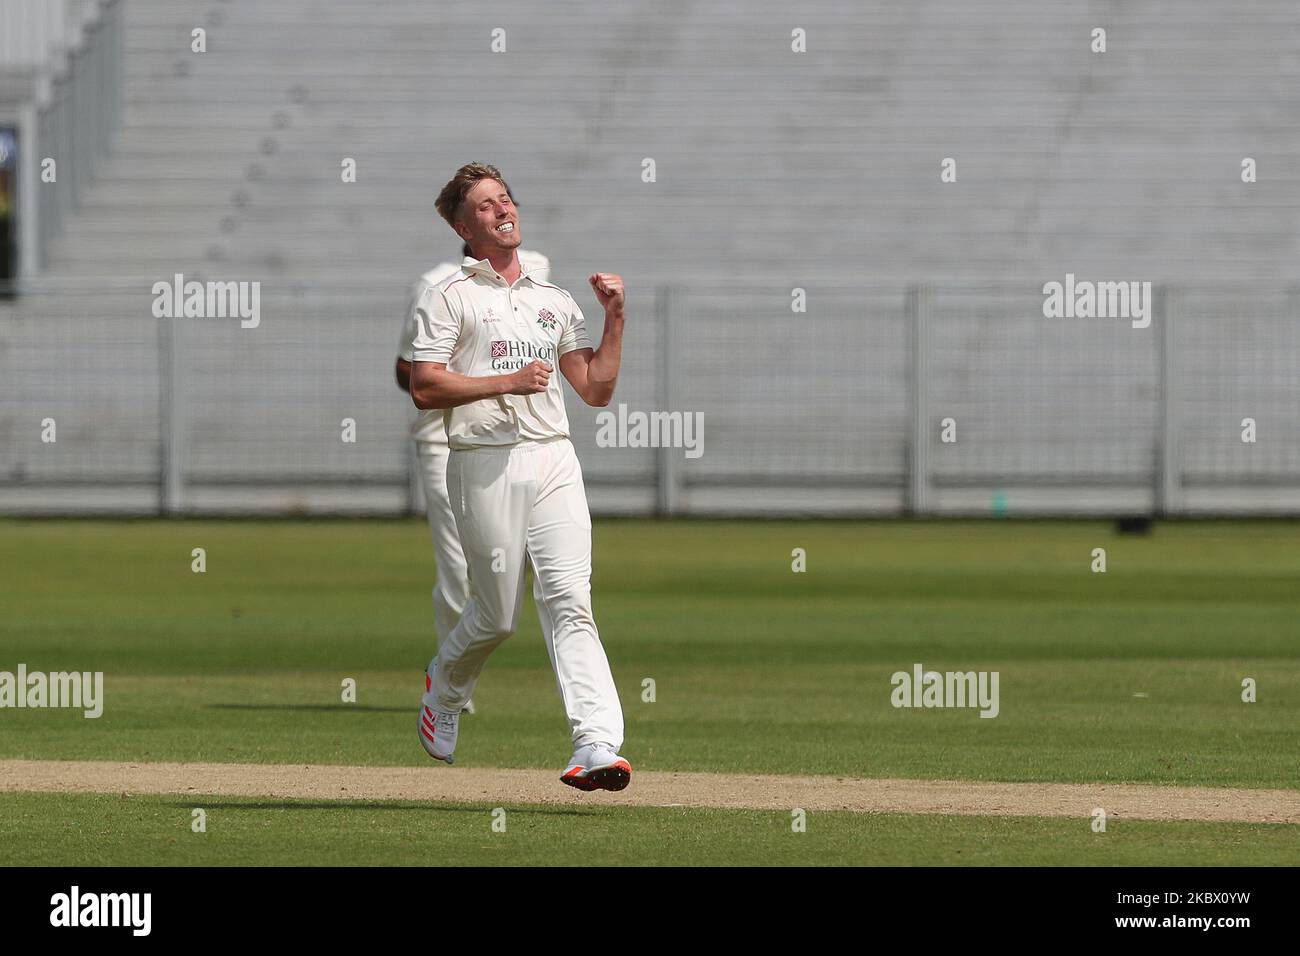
(774, 170)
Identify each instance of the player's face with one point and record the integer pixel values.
(489, 221)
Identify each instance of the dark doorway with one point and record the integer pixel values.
(8, 210)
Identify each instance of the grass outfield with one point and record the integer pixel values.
(100, 830)
(1129, 676)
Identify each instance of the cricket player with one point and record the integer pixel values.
(451, 587)
(486, 346)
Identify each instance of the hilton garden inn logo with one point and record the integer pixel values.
(81, 690)
(76, 908)
(1100, 300)
(922, 688)
(179, 299)
(626, 429)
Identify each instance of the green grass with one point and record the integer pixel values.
(1129, 676)
(98, 830)
(756, 668)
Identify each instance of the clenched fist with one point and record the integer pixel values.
(609, 290)
(531, 379)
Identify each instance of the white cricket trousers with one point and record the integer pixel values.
(451, 589)
(517, 500)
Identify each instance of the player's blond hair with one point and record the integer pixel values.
(467, 177)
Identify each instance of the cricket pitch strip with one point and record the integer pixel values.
(439, 784)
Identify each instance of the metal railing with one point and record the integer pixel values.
(878, 399)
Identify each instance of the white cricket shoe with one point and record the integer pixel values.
(438, 727)
(597, 767)
(438, 730)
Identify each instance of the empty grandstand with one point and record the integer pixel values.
(799, 272)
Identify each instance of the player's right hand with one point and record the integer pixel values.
(531, 379)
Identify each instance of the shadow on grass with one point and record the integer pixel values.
(325, 707)
(345, 804)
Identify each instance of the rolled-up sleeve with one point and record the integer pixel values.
(437, 327)
(406, 340)
(575, 331)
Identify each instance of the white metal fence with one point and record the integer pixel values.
(945, 399)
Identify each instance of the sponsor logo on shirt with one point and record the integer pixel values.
(514, 354)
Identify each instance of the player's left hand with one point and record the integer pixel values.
(609, 290)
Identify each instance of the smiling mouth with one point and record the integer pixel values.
(505, 229)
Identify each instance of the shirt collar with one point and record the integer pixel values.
(484, 267)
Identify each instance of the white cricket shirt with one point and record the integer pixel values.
(479, 326)
(427, 424)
